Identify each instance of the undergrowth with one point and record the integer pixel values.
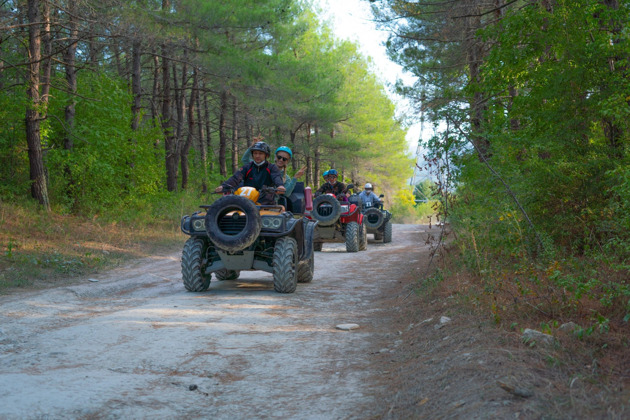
(39, 248)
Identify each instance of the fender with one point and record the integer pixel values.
(309, 234)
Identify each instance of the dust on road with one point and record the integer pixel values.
(135, 344)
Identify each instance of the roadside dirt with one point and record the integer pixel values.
(132, 343)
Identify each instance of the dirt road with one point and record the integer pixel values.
(132, 343)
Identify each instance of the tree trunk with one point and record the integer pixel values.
(474, 59)
(203, 152)
(222, 133)
(235, 159)
(70, 110)
(46, 37)
(156, 91)
(316, 153)
(39, 189)
(191, 130)
(167, 125)
(206, 110)
(293, 161)
(136, 88)
(71, 74)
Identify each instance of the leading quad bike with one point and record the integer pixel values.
(235, 233)
(339, 221)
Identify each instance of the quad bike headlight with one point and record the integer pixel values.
(272, 222)
(199, 224)
(345, 208)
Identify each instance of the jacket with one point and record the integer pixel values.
(370, 198)
(251, 175)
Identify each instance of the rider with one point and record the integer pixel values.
(257, 173)
(283, 157)
(332, 186)
(368, 198)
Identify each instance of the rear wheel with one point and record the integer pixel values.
(387, 232)
(193, 266)
(363, 238)
(352, 237)
(306, 269)
(285, 265)
(225, 274)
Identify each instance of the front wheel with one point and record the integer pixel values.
(363, 238)
(387, 232)
(193, 265)
(285, 265)
(352, 237)
(306, 269)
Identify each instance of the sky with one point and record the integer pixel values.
(352, 20)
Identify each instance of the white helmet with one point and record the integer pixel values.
(368, 186)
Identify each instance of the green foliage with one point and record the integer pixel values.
(110, 165)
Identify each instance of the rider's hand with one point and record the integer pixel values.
(281, 190)
(301, 172)
(218, 189)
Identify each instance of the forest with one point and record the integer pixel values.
(110, 104)
(530, 102)
(142, 107)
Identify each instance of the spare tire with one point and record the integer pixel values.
(233, 223)
(373, 218)
(326, 209)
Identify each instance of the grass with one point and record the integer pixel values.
(39, 249)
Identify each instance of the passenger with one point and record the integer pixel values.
(257, 173)
(368, 198)
(332, 186)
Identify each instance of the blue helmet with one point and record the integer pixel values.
(331, 172)
(284, 149)
(325, 174)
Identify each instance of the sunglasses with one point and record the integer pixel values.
(286, 159)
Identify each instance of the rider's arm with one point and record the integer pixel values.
(234, 181)
(247, 156)
(289, 184)
(276, 176)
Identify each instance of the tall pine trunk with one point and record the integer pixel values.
(222, 132)
(39, 189)
(235, 159)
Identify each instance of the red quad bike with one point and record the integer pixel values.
(378, 221)
(339, 222)
(236, 233)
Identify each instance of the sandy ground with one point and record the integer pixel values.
(133, 343)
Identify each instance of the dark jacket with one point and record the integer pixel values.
(251, 175)
(337, 188)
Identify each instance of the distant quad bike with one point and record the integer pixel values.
(339, 222)
(235, 234)
(377, 221)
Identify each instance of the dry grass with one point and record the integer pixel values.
(39, 249)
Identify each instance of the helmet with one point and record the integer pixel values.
(261, 146)
(284, 149)
(325, 174)
(368, 186)
(332, 172)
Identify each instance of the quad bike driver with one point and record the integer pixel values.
(339, 215)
